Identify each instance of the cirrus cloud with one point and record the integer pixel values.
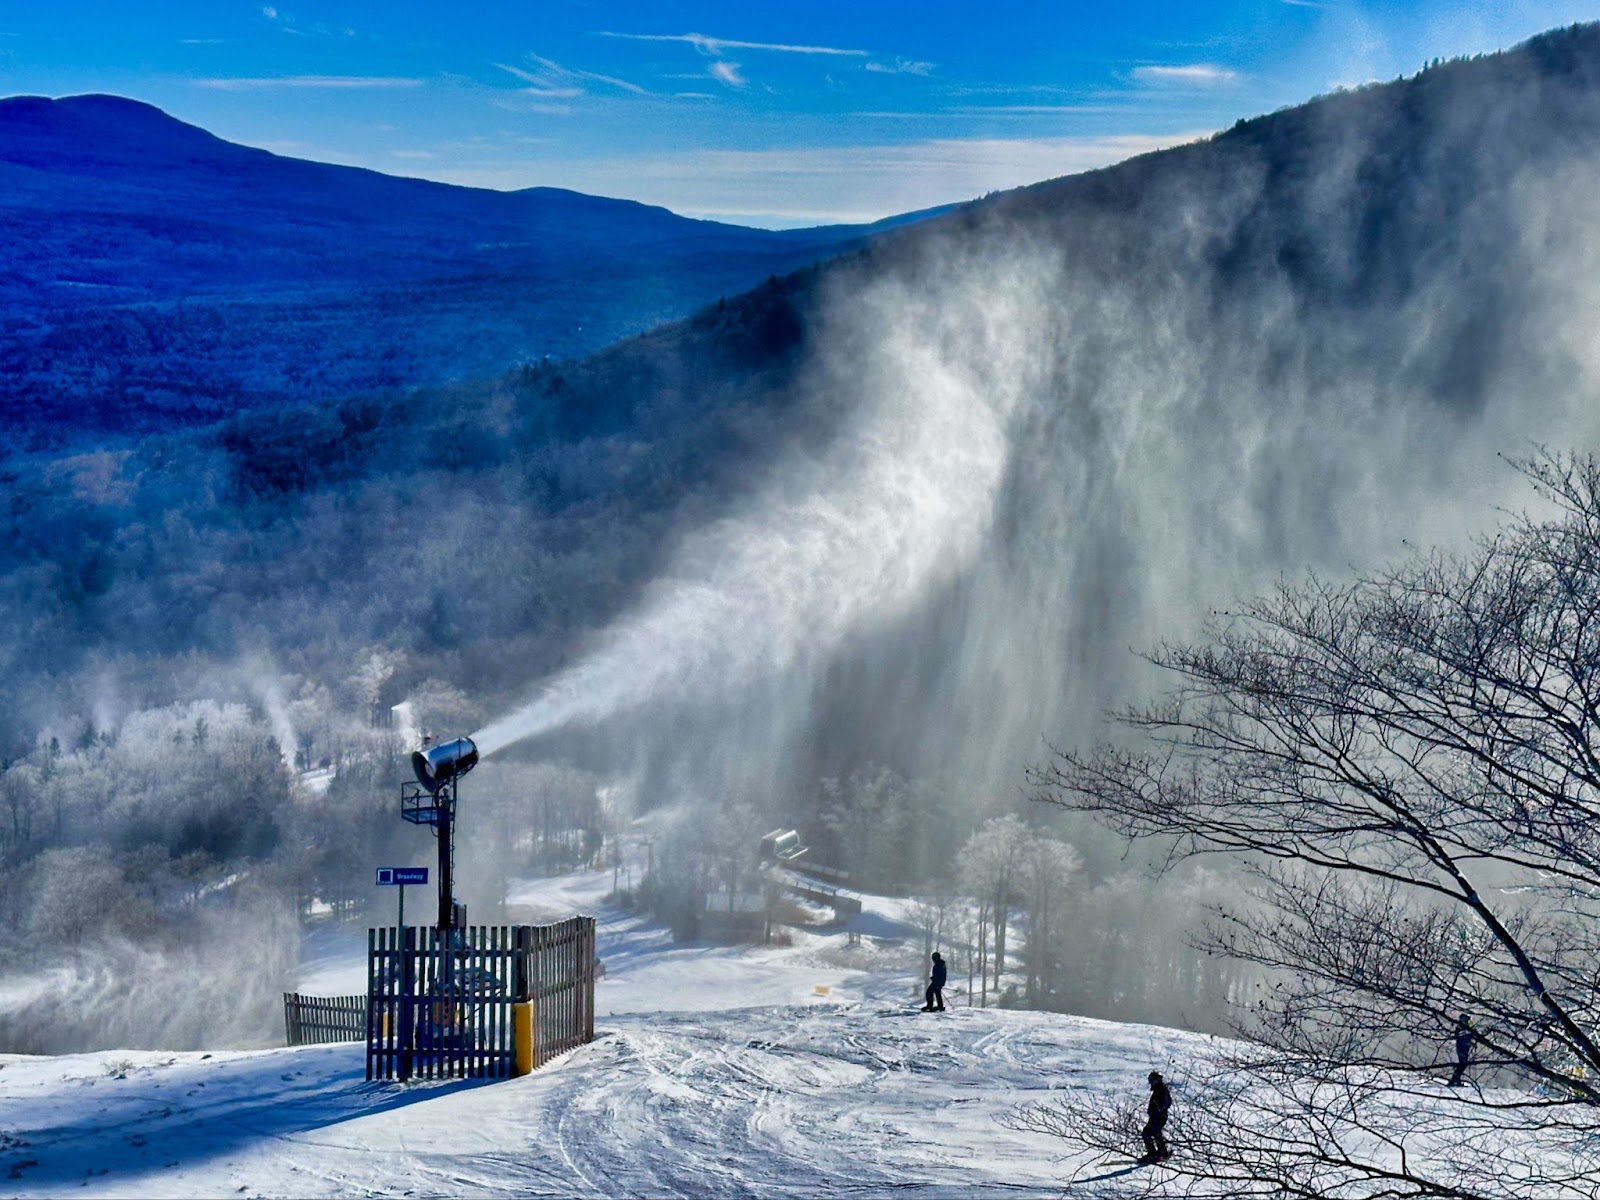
(716, 45)
(900, 66)
(1191, 75)
(727, 72)
(550, 78)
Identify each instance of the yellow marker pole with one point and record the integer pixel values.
(522, 1039)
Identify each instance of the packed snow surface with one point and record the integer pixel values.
(713, 1072)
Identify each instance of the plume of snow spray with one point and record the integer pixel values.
(898, 503)
(263, 680)
(1064, 439)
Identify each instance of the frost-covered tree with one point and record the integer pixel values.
(77, 892)
(729, 838)
(991, 866)
(1046, 878)
(1408, 766)
(868, 816)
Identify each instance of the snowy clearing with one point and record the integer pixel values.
(715, 1071)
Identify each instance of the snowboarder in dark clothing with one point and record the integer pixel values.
(1463, 1050)
(1155, 1144)
(935, 1001)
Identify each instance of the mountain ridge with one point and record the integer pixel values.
(157, 276)
(104, 129)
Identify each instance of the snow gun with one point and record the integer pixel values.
(438, 765)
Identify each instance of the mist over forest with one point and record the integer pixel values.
(846, 552)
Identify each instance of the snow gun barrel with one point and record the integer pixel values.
(438, 765)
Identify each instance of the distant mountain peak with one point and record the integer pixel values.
(106, 102)
(97, 128)
(90, 106)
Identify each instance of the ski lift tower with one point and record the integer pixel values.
(432, 801)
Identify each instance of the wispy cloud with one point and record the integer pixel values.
(727, 72)
(523, 101)
(550, 78)
(307, 81)
(820, 184)
(1012, 89)
(614, 82)
(200, 41)
(1193, 75)
(900, 66)
(1026, 110)
(717, 46)
(285, 23)
(988, 110)
(542, 83)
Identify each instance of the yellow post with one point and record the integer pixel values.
(522, 1036)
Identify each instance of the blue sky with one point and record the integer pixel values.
(765, 113)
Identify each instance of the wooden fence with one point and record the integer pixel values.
(442, 1006)
(311, 1020)
(561, 985)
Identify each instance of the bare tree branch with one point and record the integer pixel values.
(1408, 769)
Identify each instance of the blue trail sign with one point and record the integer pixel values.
(401, 876)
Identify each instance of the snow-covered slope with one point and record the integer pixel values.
(713, 1072)
(795, 1100)
(647, 972)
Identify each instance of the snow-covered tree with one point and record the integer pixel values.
(1047, 877)
(991, 865)
(868, 815)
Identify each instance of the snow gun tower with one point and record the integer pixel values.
(463, 1001)
(432, 801)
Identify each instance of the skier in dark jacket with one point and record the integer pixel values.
(1155, 1144)
(935, 1001)
(1463, 1050)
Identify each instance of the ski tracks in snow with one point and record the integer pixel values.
(770, 1101)
(812, 1100)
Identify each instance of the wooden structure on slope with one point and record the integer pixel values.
(482, 1002)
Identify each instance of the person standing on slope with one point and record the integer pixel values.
(1155, 1142)
(935, 1000)
(1463, 1050)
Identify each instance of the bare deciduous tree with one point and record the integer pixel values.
(1409, 768)
(933, 914)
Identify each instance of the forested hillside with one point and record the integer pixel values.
(153, 276)
(841, 552)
